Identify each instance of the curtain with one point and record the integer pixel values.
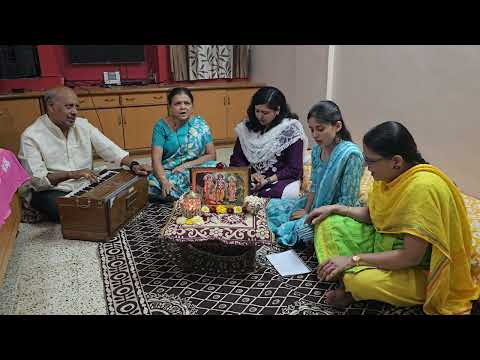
(179, 62)
(210, 61)
(198, 62)
(241, 61)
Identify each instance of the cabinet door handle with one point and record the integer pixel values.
(228, 99)
(119, 119)
(109, 100)
(129, 99)
(224, 100)
(158, 97)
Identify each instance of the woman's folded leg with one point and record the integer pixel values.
(406, 287)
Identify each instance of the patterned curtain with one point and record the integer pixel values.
(210, 61)
(178, 62)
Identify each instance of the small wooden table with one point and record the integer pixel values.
(225, 243)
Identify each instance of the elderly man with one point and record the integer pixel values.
(56, 150)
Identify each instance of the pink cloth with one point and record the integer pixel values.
(12, 176)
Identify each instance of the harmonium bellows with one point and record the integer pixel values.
(96, 212)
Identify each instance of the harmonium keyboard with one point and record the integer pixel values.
(97, 211)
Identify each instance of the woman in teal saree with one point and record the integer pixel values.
(179, 142)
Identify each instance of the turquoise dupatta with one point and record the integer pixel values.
(336, 181)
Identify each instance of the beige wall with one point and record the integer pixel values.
(433, 90)
(299, 71)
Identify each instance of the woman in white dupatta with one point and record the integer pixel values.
(272, 142)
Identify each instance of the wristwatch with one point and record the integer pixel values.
(356, 260)
(132, 164)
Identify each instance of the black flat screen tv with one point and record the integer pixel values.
(106, 54)
(19, 61)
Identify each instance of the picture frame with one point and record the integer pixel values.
(228, 186)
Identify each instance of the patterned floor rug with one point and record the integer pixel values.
(142, 276)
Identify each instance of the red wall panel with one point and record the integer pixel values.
(56, 69)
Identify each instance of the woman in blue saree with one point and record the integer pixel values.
(337, 168)
(179, 142)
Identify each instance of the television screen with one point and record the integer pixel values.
(19, 61)
(106, 54)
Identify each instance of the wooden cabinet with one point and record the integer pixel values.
(126, 115)
(144, 99)
(108, 121)
(223, 109)
(130, 119)
(138, 124)
(15, 116)
(106, 101)
(211, 105)
(238, 101)
(111, 125)
(92, 117)
(85, 102)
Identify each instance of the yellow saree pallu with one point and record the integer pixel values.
(425, 203)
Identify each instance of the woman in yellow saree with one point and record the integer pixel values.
(411, 244)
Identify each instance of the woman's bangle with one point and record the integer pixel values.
(347, 211)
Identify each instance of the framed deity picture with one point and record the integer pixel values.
(228, 186)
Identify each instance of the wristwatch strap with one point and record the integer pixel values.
(132, 164)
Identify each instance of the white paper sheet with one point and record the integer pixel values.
(288, 263)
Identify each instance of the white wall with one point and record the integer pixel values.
(432, 90)
(299, 71)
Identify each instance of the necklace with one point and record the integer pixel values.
(173, 124)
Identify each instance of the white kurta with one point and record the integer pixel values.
(44, 149)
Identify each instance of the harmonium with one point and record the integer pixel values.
(97, 211)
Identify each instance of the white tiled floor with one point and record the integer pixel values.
(47, 274)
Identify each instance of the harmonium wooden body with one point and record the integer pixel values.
(96, 212)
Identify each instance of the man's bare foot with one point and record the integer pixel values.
(338, 298)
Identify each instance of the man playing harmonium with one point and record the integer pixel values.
(57, 151)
